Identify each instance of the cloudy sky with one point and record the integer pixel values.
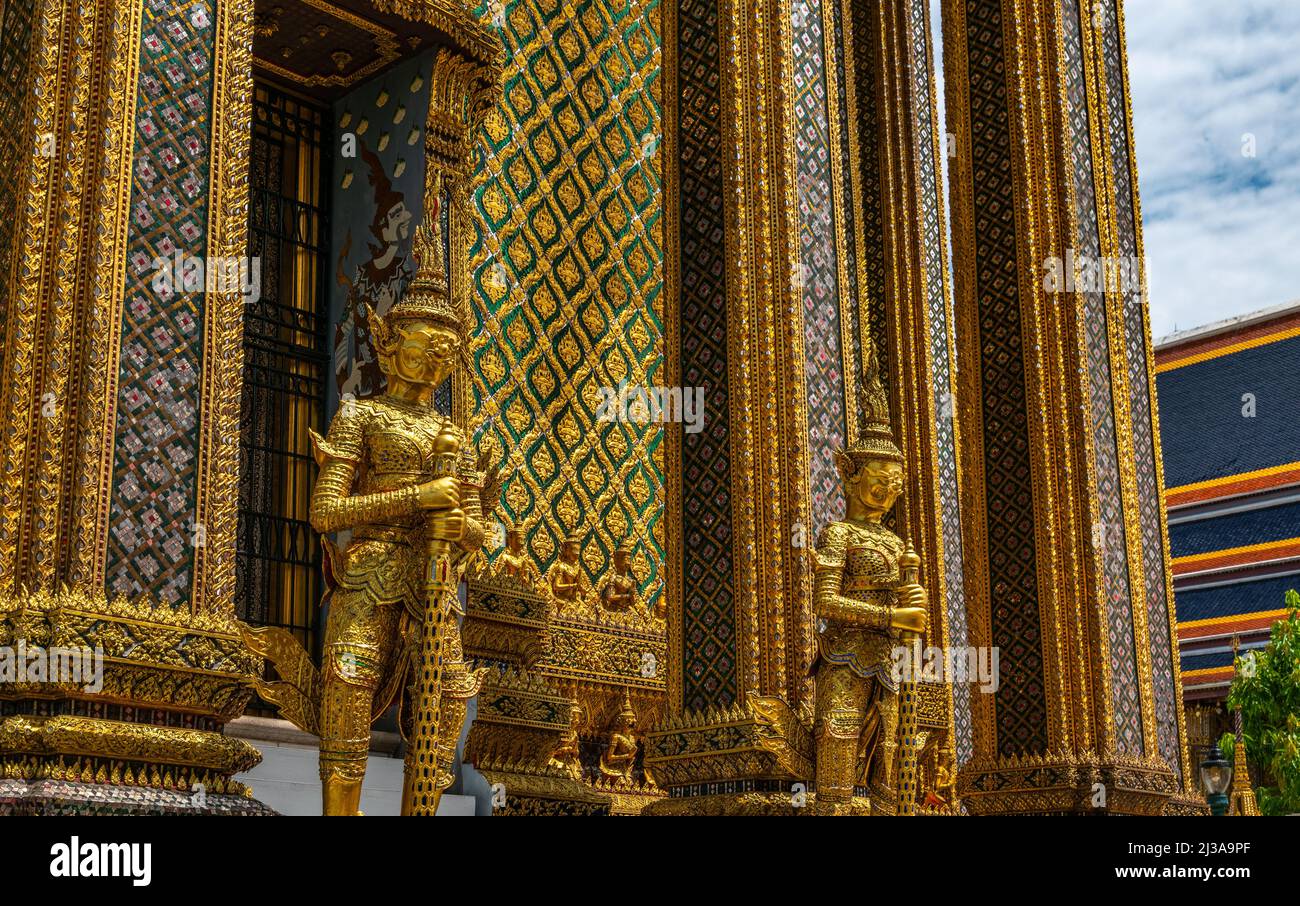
(1222, 228)
(1210, 79)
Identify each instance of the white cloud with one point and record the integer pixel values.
(1222, 230)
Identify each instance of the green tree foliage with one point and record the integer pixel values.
(1228, 744)
(1267, 689)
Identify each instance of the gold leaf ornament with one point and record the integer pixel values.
(493, 368)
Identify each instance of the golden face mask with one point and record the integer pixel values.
(425, 353)
(879, 483)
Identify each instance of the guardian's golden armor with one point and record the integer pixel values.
(862, 604)
(377, 482)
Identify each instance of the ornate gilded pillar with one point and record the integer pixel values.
(119, 417)
(74, 80)
(1066, 559)
(903, 306)
(804, 224)
(738, 491)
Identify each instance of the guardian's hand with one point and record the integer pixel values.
(913, 596)
(449, 526)
(440, 494)
(912, 613)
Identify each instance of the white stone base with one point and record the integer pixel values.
(288, 780)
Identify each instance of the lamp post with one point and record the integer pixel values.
(1216, 777)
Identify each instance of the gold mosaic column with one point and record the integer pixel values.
(1065, 552)
(154, 680)
(66, 176)
(904, 307)
(817, 158)
(738, 587)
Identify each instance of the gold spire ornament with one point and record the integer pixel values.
(866, 595)
(1243, 802)
(427, 298)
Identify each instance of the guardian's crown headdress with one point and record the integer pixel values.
(428, 298)
(875, 436)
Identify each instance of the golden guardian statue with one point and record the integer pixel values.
(399, 477)
(568, 754)
(620, 752)
(863, 603)
(619, 591)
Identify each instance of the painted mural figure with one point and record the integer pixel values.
(375, 286)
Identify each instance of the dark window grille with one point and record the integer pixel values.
(286, 364)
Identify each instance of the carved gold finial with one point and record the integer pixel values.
(1243, 800)
(875, 435)
(910, 564)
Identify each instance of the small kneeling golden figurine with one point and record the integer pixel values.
(515, 562)
(619, 590)
(620, 752)
(565, 576)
